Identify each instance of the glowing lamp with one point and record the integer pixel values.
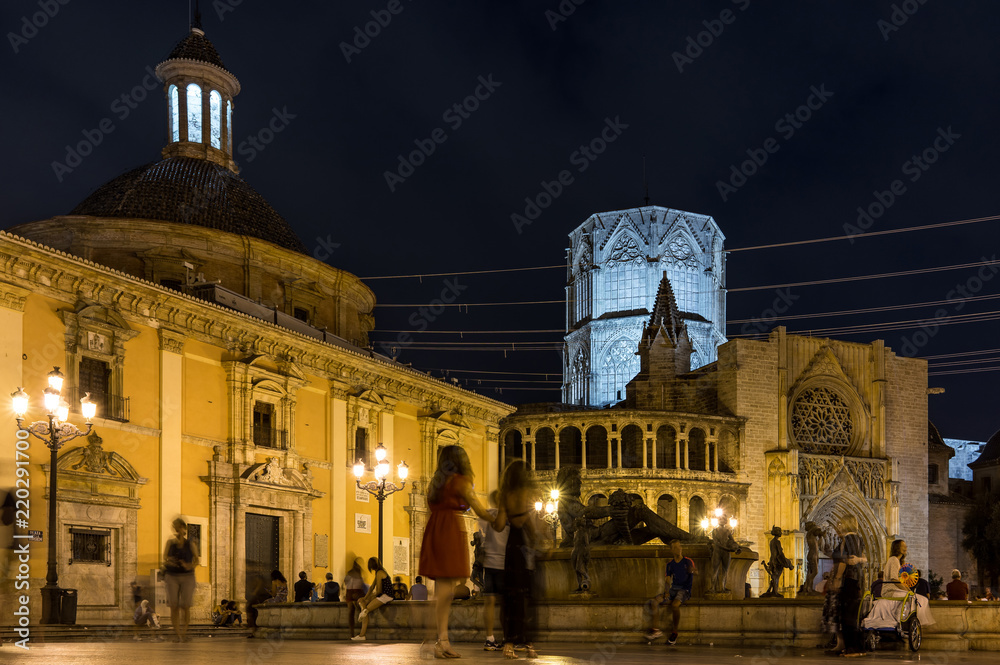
(62, 412)
(550, 507)
(718, 512)
(715, 522)
(380, 453)
(51, 400)
(704, 525)
(538, 506)
(19, 399)
(554, 494)
(381, 470)
(56, 379)
(88, 408)
(359, 469)
(732, 522)
(402, 470)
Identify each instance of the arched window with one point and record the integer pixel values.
(597, 448)
(545, 449)
(570, 447)
(697, 450)
(666, 507)
(620, 366)
(512, 448)
(175, 114)
(666, 447)
(696, 513)
(631, 447)
(229, 125)
(215, 111)
(194, 112)
(625, 277)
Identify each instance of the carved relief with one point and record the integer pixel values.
(94, 459)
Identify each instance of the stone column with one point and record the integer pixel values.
(684, 446)
(715, 456)
(678, 461)
(339, 478)
(556, 444)
(618, 446)
(645, 443)
(583, 450)
(298, 554)
(239, 513)
(610, 442)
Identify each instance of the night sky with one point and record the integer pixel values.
(886, 82)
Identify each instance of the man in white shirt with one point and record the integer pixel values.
(495, 544)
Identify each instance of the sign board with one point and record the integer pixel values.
(35, 536)
(400, 556)
(362, 523)
(361, 494)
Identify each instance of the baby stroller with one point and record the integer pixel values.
(890, 617)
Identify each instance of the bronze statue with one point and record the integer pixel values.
(776, 565)
(813, 535)
(627, 513)
(723, 545)
(575, 519)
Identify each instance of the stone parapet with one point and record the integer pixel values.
(752, 623)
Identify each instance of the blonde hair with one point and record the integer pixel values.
(848, 524)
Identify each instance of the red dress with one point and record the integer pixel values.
(445, 549)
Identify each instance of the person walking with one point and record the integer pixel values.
(379, 594)
(516, 510)
(444, 552)
(354, 590)
(256, 595)
(848, 556)
(494, 547)
(180, 557)
(678, 582)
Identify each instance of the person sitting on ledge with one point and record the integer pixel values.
(957, 589)
(379, 594)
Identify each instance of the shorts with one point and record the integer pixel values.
(180, 590)
(677, 593)
(492, 581)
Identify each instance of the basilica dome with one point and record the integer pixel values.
(186, 190)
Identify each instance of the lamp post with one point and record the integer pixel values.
(718, 519)
(551, 514)
(54, 432)
(380, 488)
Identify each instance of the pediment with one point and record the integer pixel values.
(96, 316)
(272, 473)
(824, 364)
(93, 460)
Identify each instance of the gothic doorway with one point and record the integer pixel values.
(262, 548)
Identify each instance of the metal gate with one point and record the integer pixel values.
(262, 537)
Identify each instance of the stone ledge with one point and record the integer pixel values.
(959, 627)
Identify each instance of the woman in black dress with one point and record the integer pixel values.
(516, 498)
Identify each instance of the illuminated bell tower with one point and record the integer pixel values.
(200, 92)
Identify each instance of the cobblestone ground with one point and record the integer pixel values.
(232, 650)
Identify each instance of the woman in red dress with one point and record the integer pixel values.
(444, 554)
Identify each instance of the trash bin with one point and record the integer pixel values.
(68, 606)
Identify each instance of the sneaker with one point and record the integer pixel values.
(653, 634)
(490, 645)
(358, 638)
(672, 639)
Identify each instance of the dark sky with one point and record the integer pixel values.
(887, 95)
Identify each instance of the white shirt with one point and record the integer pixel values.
(494, 542)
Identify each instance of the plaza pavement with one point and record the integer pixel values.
(233, 649)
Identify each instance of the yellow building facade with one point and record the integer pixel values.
(235, 383)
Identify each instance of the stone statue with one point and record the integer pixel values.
(776, 565)
(575, 519)
(723, 545)
(627, 514)
(813, 536)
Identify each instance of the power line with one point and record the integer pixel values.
(791, 243)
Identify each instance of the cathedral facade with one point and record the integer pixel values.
(233, 375)
(784, 432)
(615, 263)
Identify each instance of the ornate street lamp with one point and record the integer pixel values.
(551, 514)
(380, 488)
(54, 432)
(718, 519)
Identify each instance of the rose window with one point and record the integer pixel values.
(821, 422)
